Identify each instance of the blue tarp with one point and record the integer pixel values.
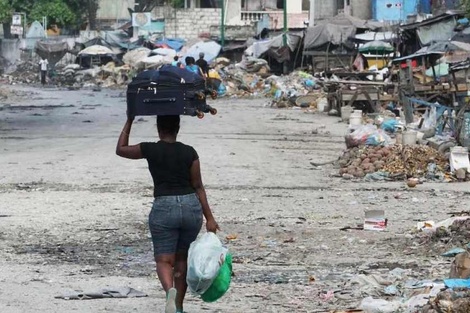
(175, 44)
(457, 283)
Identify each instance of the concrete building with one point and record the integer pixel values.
(112, 10)
(398, 10)
(243, 18)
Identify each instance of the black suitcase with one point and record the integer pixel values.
(169, 91)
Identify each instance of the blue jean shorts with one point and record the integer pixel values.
(174, 222)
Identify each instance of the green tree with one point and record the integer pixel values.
(466, 7)
(85, 11)
(56, 11)
(6, 12)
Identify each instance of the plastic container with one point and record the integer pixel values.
(409, 138)
(322, 104)
(346, 112)
(459, 158)
(355, 120)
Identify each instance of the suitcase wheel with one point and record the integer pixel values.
(214, 95)
(200, 115)
(213, 111)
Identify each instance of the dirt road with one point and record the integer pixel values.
(73, 215)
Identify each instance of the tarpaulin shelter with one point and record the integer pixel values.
(35, 32)
(335, 36)
(274, 47)
(175, 44)
(424, 33)
(50, 50)
(95, 55)
(337, 31)
(96, 41)
(121, 39)
(211, 50)
(439, 49)
(463, 36)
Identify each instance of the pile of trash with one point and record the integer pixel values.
(252, 78)
(394, 162)
(25, 73)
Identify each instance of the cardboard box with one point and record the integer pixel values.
(375, 220)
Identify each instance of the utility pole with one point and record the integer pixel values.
(222, 25)
(285, 23)
(311, 20)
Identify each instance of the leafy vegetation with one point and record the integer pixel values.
(70, 14)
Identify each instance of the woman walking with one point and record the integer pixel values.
(179, 206)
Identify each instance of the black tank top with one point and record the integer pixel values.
(169, 165)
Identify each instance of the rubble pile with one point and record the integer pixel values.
(252, 78)
(455, 301)
(25, 73)
(248, 79)
(458, 231)
(397, 161)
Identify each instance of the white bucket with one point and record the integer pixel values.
(322, 104)
(409, 138)
(355, 120)
(358, 112)
(459, 158)
(346, 112)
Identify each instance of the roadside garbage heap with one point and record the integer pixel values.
(105, 76)
(394, 162)
(404, 290)
(380, 147)
(456, 297)
(25, 73)
(252, 78)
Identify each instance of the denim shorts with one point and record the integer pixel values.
(174, 222)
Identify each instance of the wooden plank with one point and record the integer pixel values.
(360, 97)
(362, 82)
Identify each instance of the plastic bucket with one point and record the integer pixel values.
(346, 112)
(409, 138)
(459, 158)
(322, 104)
(355, 120)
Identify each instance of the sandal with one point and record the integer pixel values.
(170, 305)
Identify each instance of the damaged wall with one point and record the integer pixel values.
(325, 9)
(112, 9)
(11, 53)
(191, 23)
(361, 9)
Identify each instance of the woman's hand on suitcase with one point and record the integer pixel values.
(130, 117)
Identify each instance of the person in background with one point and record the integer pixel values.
(43, 64)
(203, 64)
(192, 67)
(175, 61)
(179, 205)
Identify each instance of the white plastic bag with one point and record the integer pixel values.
(206, 256)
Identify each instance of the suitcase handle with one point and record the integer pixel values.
(160, 100)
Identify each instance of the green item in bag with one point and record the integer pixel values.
(221, 283)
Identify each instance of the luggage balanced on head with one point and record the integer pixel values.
(169, 91)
